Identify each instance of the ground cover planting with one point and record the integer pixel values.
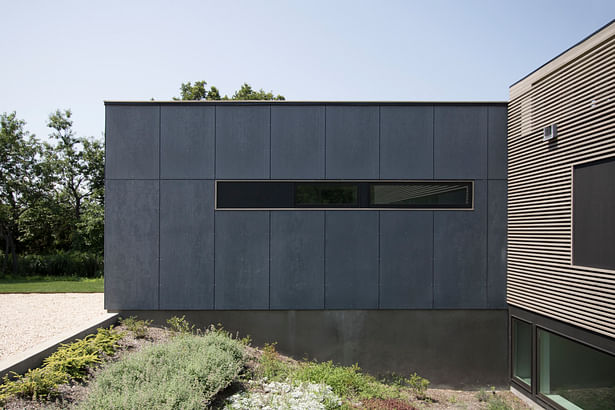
(51, 284)
(137, 365)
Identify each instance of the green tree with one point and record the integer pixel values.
(23, 182)
(247, 93)
(199, 92)
(77, 167)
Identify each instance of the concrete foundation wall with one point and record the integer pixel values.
(451, 348)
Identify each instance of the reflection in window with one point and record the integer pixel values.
(574, 375)
(326, 194)
(422, 194)
(522, 351)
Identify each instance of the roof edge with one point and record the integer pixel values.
(563, 52)
(285, 102)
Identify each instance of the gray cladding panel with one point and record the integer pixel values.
(460, 255)
(131, 244)
(186, 244)
(297, 259)
(352, 142)
(242, 142)
(460, 142)
(406, 259)
(132, 140)
(351, 260)
(406, 142)
(498, 133)
(496, 246)
(187, 142)
(242, 260)
(297, 142)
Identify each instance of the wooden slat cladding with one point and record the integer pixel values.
(575, 91)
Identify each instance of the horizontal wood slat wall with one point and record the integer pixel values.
(575, 91)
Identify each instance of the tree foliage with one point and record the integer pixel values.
(51, 194)
(199, 92)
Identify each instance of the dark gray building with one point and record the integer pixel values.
(358, 232)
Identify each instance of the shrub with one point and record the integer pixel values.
(346, 381)
(186, 372)
(270, 365)
(418, 385)
(70, 361)
(181, 325)
(71, 263)
(137, 327)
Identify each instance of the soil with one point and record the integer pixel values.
(73, 393)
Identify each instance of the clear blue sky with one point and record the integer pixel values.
(75, 54)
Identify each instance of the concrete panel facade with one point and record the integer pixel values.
(187, 142)
(242, 141)
(297, 260)
(186, 244)
(298, 142)
(397, 259)
(131, 244)
(242, 260)
(351, 260)
(497, 149)
(132, 142)
(460, 255)
(352, 142)
(406, 142)
(406, 260)
(496, 244)
(460, 142)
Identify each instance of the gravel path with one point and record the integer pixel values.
(32, 318)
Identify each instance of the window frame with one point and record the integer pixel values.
(350, 181)
(536, 329)
(572, 167)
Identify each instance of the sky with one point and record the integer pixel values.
(77, 54)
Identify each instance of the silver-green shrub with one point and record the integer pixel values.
(184, 373)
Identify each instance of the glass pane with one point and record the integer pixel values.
(522, 351)
(422, 194)
(327, 194)
(574, 375)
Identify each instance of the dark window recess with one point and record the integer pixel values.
(593, 214)
(335, 194)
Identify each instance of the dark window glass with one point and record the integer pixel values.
(253, 194)
(593, 219)
(421, 195)
(326, 194)
(522, 351)
(574, 375)
(346, 194)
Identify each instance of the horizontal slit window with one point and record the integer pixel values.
(344, 194)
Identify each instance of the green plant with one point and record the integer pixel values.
(180, 325)
(186, 372)
(497, 403)
(418, 385)
(137, 327)
(61, 263)
(70, 361)
(270, 365)
(346, 381)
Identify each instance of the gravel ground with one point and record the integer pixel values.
(32, 318)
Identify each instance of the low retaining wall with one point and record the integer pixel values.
(451, 348)
(32, 358)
